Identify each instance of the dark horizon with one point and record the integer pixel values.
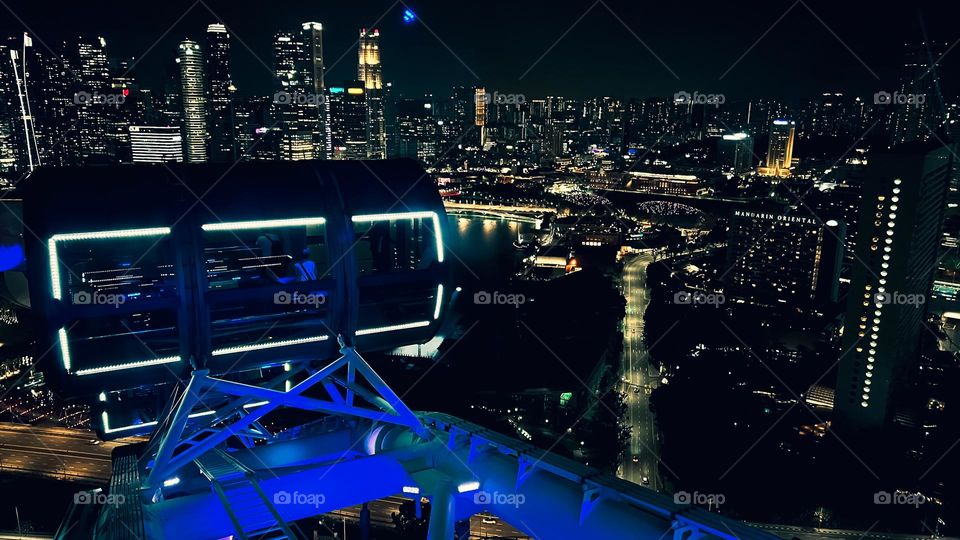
(788, 51)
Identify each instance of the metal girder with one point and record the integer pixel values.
(177, 446)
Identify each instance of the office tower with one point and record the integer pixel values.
(313, 79)
(390, 120)
(219, 94)
(48, 92)
(348, 120)
(194, 101)
(777, 258)
(93, 75)
(480, 100)
(899, 227)
(156, 144)
(296, 103)
(169, 103)
(416, 130)
(370, 71)
(831, 115)
(8, 123)
(917, 104)
(735, 152)
(126, 110)
(311, 36)
(780, 149)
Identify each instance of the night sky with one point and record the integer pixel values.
(496, 43)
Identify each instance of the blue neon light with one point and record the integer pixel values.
(10, 257)
(409, 16)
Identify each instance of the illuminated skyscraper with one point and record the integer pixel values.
(416, 130)
(783, 258)
(219, 90)
(918, 105)
(348, 120)
(156, 144)
(899, 228)
(780, 150)
(312, 39)
(313, 79)
(194, 101)
(370, 71)
(296, 102)
(480, 114)
(94, 81)
(735, 152)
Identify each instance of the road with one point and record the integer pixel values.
(481, 525)
(638, 378)
(810, 533)
(58, 453)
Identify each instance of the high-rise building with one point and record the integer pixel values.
(370, 71)
(780, 149)
(899, 227)
(783, 257)
(416, 130)
(297, 103)
(311, 36)
(735, 152)
(219, 94)
(194, 101)
(156, 144)
(480, 101)
(313, 80)
(348, 120)
(93, 86)
(918, 105)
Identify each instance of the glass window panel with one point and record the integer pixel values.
(266, 255)
(396, 245)
(117, 271)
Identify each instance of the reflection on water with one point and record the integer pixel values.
(483, 249)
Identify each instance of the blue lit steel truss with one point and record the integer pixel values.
(174, 446)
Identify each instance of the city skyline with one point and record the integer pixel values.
(864, 57)
(661, 270)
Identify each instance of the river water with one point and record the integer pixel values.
(482, 249)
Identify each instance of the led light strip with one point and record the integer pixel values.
(64, 348)
(106, 419)
(263, 224)
(436, 308)
(366, 218)
(99, 235)
(108, 429)
(268, 345)
(382, 329)
(130, 365)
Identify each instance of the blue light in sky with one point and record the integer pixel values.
(409, 16)
(10, 257)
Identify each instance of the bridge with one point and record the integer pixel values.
(230, 329)
(521, 213)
